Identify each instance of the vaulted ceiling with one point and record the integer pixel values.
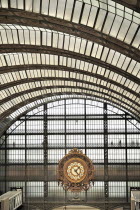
(55, 48)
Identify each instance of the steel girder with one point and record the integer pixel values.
(14, 16)
(59, 52)
(60, 86)
(11, 110)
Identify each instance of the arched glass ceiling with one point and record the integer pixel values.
(73, 10)
(72, 70)
(26, 35)
(86, 47)
(57, 99)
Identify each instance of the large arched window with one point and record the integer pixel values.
(108, 136)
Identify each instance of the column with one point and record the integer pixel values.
(105, 156)
(45, 145)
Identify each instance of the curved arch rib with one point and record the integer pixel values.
(10, 84)
(100, 90)
(7, 124)
(65, 53)
(18, 106)
(38, 20)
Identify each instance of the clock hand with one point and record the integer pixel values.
(76, 170)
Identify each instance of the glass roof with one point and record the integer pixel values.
(81, 47)
(19, 34)
(71, 10)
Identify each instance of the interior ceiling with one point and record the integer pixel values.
(69, 47)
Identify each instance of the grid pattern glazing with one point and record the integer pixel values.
(71, 123)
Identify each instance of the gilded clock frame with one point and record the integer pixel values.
(72, 185)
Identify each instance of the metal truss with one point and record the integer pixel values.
(46, 204)
(24, 81)
(134, 6)
(37, 20)
(48, 95)
(73, 87)
(60, 52)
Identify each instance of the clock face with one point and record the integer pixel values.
(75, 171)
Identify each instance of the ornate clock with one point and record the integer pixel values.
(75, 171)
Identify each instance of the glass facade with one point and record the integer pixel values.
(32, 147)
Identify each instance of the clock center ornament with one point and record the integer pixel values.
(75, 171)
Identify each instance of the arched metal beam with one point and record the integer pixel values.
(65, 53)
(18, 82)
(14, 16)
(77, 87)
(134, 5)
(8, 124)
(13, 109)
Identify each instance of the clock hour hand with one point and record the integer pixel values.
(76, 170)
